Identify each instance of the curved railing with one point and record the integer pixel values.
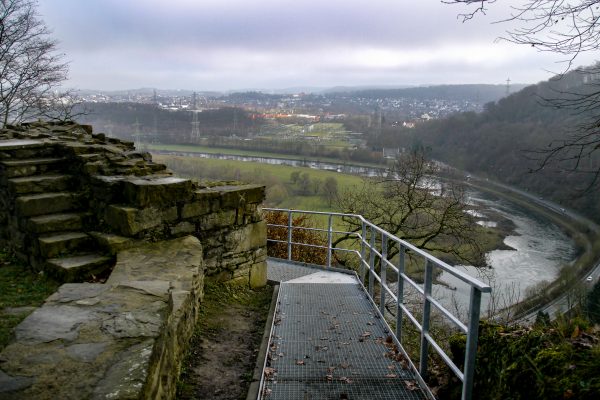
(372, 254)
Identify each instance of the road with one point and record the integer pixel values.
(561, 304)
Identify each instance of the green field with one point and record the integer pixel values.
(275, 177)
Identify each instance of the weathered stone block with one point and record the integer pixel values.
(217, 220)
(155, 191)
(207, 195)
(239, 196)
(130, 221)
(258, 275)
(195, 209)
(247, 238)
(111, 242)
(183, 227)
(46, 203)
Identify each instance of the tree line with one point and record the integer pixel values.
(510, 140)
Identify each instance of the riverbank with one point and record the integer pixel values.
(583, 233)
(226, 151)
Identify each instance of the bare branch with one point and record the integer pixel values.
(30, 67)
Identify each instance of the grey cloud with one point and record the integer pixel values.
(222, 44)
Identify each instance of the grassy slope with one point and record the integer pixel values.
(19, 288)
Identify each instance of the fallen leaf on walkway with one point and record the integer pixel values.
(411, 385)
(269, 372)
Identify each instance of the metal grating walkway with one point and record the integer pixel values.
(328, 341)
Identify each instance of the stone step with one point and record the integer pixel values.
(57, 222)
(57, 244)
(40, 184)
(24, 148)
(30, 166)
(80, 267)
(46, 203)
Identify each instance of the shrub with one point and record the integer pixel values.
(307, 254)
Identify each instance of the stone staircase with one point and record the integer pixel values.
(48, 216)
(72, 202)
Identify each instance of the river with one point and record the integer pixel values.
(539, 246)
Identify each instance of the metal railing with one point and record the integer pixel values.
(370, 244)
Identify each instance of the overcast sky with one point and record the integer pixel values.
(268, 44)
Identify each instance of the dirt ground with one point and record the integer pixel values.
(223, 351)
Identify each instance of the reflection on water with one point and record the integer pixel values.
(540, 249)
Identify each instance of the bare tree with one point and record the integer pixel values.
(568, 28)
(558, 26)
(330, 189)
(409, 205)
(30, 66)
(62, 106)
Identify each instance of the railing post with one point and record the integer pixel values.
(426, 319)
(472, 336)
(329, 234)
(363, 252)
(382, 274)
(371, 262)
(289, 235)
(400, 293)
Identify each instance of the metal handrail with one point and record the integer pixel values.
(374, 241)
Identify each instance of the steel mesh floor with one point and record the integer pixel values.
(280, 271)
(329, 343)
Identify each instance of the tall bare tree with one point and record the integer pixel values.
(568, 28)
(407, 203)
(30, 66)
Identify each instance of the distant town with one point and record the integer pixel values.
(406, 107)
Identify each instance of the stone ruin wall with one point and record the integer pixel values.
(126, 199)
(86, 208)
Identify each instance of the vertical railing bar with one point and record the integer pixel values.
(400, 293)
(383, 264)
(363, 251)
(371, 262)
(472, 336)
(329, 234)
(426, 319)
(290, 235)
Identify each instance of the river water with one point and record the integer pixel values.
(540, 250)
(540, 247)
